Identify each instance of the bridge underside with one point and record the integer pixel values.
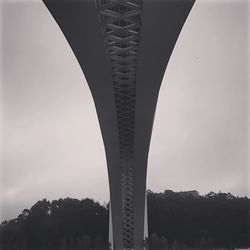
(123, 47)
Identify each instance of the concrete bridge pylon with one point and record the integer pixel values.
(123, 48)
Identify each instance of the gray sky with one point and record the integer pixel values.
(52, 144)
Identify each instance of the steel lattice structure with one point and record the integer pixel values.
(123, 47)
(120, 22)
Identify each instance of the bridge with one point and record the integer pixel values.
(123, 48)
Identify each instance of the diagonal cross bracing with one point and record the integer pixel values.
(120, 23)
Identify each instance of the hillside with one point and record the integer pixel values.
(177, 220)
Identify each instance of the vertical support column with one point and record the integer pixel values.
(146, 218)
(111, 236)
(145, 236)
(123, 47)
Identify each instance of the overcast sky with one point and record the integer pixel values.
(52, 145)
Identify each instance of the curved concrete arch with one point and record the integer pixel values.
(123, 47)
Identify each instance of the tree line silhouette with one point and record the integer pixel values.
(177, 220)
